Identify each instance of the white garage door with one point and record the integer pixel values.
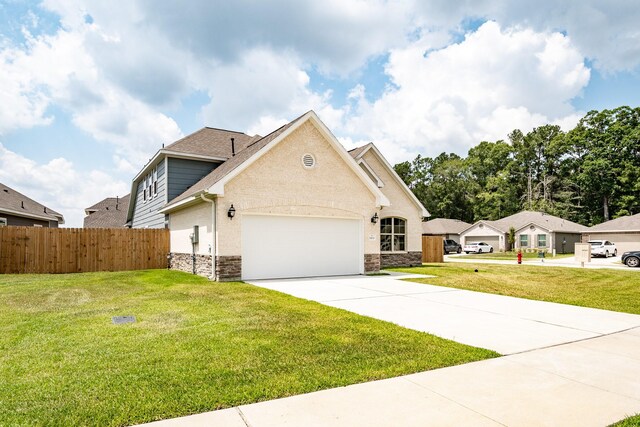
(490, 240)
(291, 246)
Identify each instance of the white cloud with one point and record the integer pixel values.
(606, 32)
(494, 81)
(261, 92)
(58, 184)
(117, 71)
(57, 70)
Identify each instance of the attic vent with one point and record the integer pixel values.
(308, 161)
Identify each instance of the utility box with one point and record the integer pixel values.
(195, 236)
(583, 253)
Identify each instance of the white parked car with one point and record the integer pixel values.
(477, 247)
(603, 248)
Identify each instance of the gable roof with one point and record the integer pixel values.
(624, 223)
(109, 202)
(541, 219)
(214, 182)
(108, 213)
(211, 142)
(355, 153)
(358, 153)
(15, 203)
(444, 226)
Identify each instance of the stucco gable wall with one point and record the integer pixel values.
(483, 230)
(401, 204)
(277, 183)
(532, 231)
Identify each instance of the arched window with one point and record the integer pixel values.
(393, 234)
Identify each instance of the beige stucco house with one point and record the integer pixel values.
(623, 231)
(533, 230)
(295, 203)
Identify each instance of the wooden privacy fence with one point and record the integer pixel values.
(73, 250)
(432, 249)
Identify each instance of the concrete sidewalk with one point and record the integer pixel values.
(587, 383)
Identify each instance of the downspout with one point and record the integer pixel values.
(214, 233)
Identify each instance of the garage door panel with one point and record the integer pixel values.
(624, 241)
(279, 246)
(491, 240)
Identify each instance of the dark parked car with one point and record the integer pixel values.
(631, 258)
(452, 246)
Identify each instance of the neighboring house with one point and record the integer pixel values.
(108, 213)
(623, 231)
(175, 168)
(533, 230)
(18, 209)
(294, 203)
(445, 228)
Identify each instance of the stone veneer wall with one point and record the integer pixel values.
(228, 268)
(371, 263)
(184, 262)
(401, 259)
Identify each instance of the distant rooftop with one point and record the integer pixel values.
(16, 203)
(444, 226)
(624, 223)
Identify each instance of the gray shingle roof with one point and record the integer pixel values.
(444, 226)
(108, 213)
(227, 167)
(624, 223)
(14, 201)
(550, 222)
(212, 142)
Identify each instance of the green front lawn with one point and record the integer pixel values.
(633, 421)
(602, 288)
(196, 346)
(512, 256)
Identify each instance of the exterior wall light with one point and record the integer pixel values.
(374, 218)
(231, 212)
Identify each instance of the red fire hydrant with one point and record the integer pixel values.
(519, 257)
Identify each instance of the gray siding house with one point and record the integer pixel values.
(19, 210)
(534, 231)
(175, 168)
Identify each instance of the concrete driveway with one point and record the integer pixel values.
(505, 324)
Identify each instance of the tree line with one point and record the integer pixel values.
(588, 175)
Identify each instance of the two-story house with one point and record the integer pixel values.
(175, 168)
(293, 203)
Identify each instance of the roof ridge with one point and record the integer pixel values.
(272, 132)
(225, 130)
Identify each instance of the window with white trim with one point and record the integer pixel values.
(150, 185)
(393, 234)
(3, 222)
(542, 240)
(524, 240)
(155, 181)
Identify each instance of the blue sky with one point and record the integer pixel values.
(90, 91)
